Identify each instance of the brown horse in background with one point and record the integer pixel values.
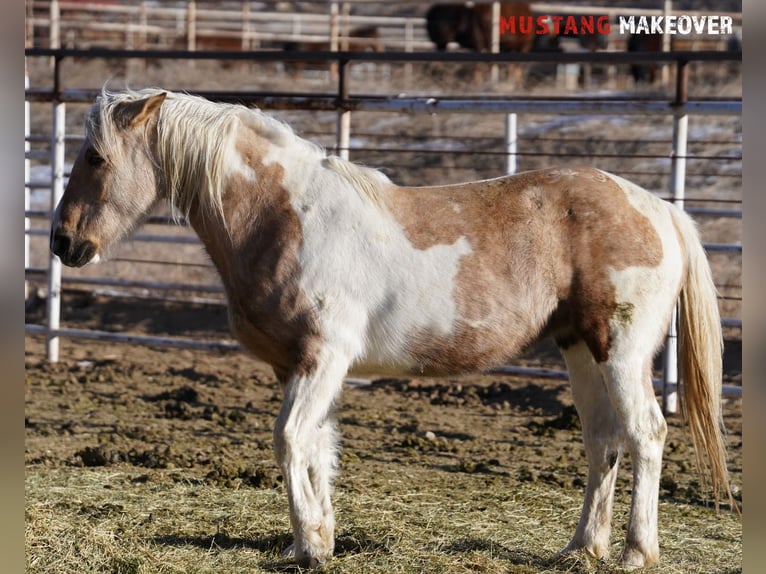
(471, 26)
(362, 39)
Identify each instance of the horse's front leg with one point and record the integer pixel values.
(305, 444)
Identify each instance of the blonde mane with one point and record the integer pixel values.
(192, 140)
(367, 181)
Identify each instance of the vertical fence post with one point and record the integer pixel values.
(677, 190)
(667, 9)
(191, 30)
(29, 33)
(245, 42)
(345, 26)
(296, 28)
(143, 38)
(54, 29)
(191, 26)
(143, 22)
(54, 26)
(344, 115)
(511, 145)
(670, 367)
(409, 38)
(27, 189)
(495, 39)
(334, 32)
(344, 131)
(57, 190)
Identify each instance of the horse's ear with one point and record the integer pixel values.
(132, 114)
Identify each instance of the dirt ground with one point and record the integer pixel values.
(155, 415)
(212, 411)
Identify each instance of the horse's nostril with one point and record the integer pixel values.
(72, 251)
(60, 243)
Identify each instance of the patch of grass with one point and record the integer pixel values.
(426, 486)
(401, 519)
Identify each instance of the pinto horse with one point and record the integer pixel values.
(330, 268)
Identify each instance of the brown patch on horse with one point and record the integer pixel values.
(544, 242)
(258, 262)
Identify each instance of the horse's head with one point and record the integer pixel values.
(114, 180)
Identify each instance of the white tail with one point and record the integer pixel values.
(701, 346)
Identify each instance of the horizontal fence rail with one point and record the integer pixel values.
(194, 25)
(402, 57)
(343, 102)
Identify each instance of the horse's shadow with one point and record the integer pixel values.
(358, 541)
(523, 561)
(269, 544)
(350, 542)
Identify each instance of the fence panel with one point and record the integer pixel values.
(343, 104)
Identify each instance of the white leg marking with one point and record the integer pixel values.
(645, 430)
(603, 440)
(305, 448)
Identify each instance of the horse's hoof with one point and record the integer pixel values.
(590, 551)
(305, 561)
(309, 561)
(313, 563)
(632, 558)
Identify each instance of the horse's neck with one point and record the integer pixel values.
(257, 215)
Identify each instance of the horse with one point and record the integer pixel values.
(330, 269)
(471, 26)
(447, 23)
(642, 72)
(361, 39)
(649, 72)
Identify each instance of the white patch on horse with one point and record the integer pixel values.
(235, 164)
(637, 287)
(297, 171)
(391, 290)
(668, 272)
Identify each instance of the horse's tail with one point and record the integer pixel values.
(701, 346)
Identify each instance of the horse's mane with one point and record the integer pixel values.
(367, 181)
(193, 137)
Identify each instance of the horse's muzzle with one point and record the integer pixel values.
(72, 252)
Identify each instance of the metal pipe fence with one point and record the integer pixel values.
(345, 103)
(195, 24)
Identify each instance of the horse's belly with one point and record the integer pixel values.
(434, 351)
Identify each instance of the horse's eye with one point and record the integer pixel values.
(95, 160)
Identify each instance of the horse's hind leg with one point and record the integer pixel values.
(305, 448)
(603, 440)
(627, 375)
